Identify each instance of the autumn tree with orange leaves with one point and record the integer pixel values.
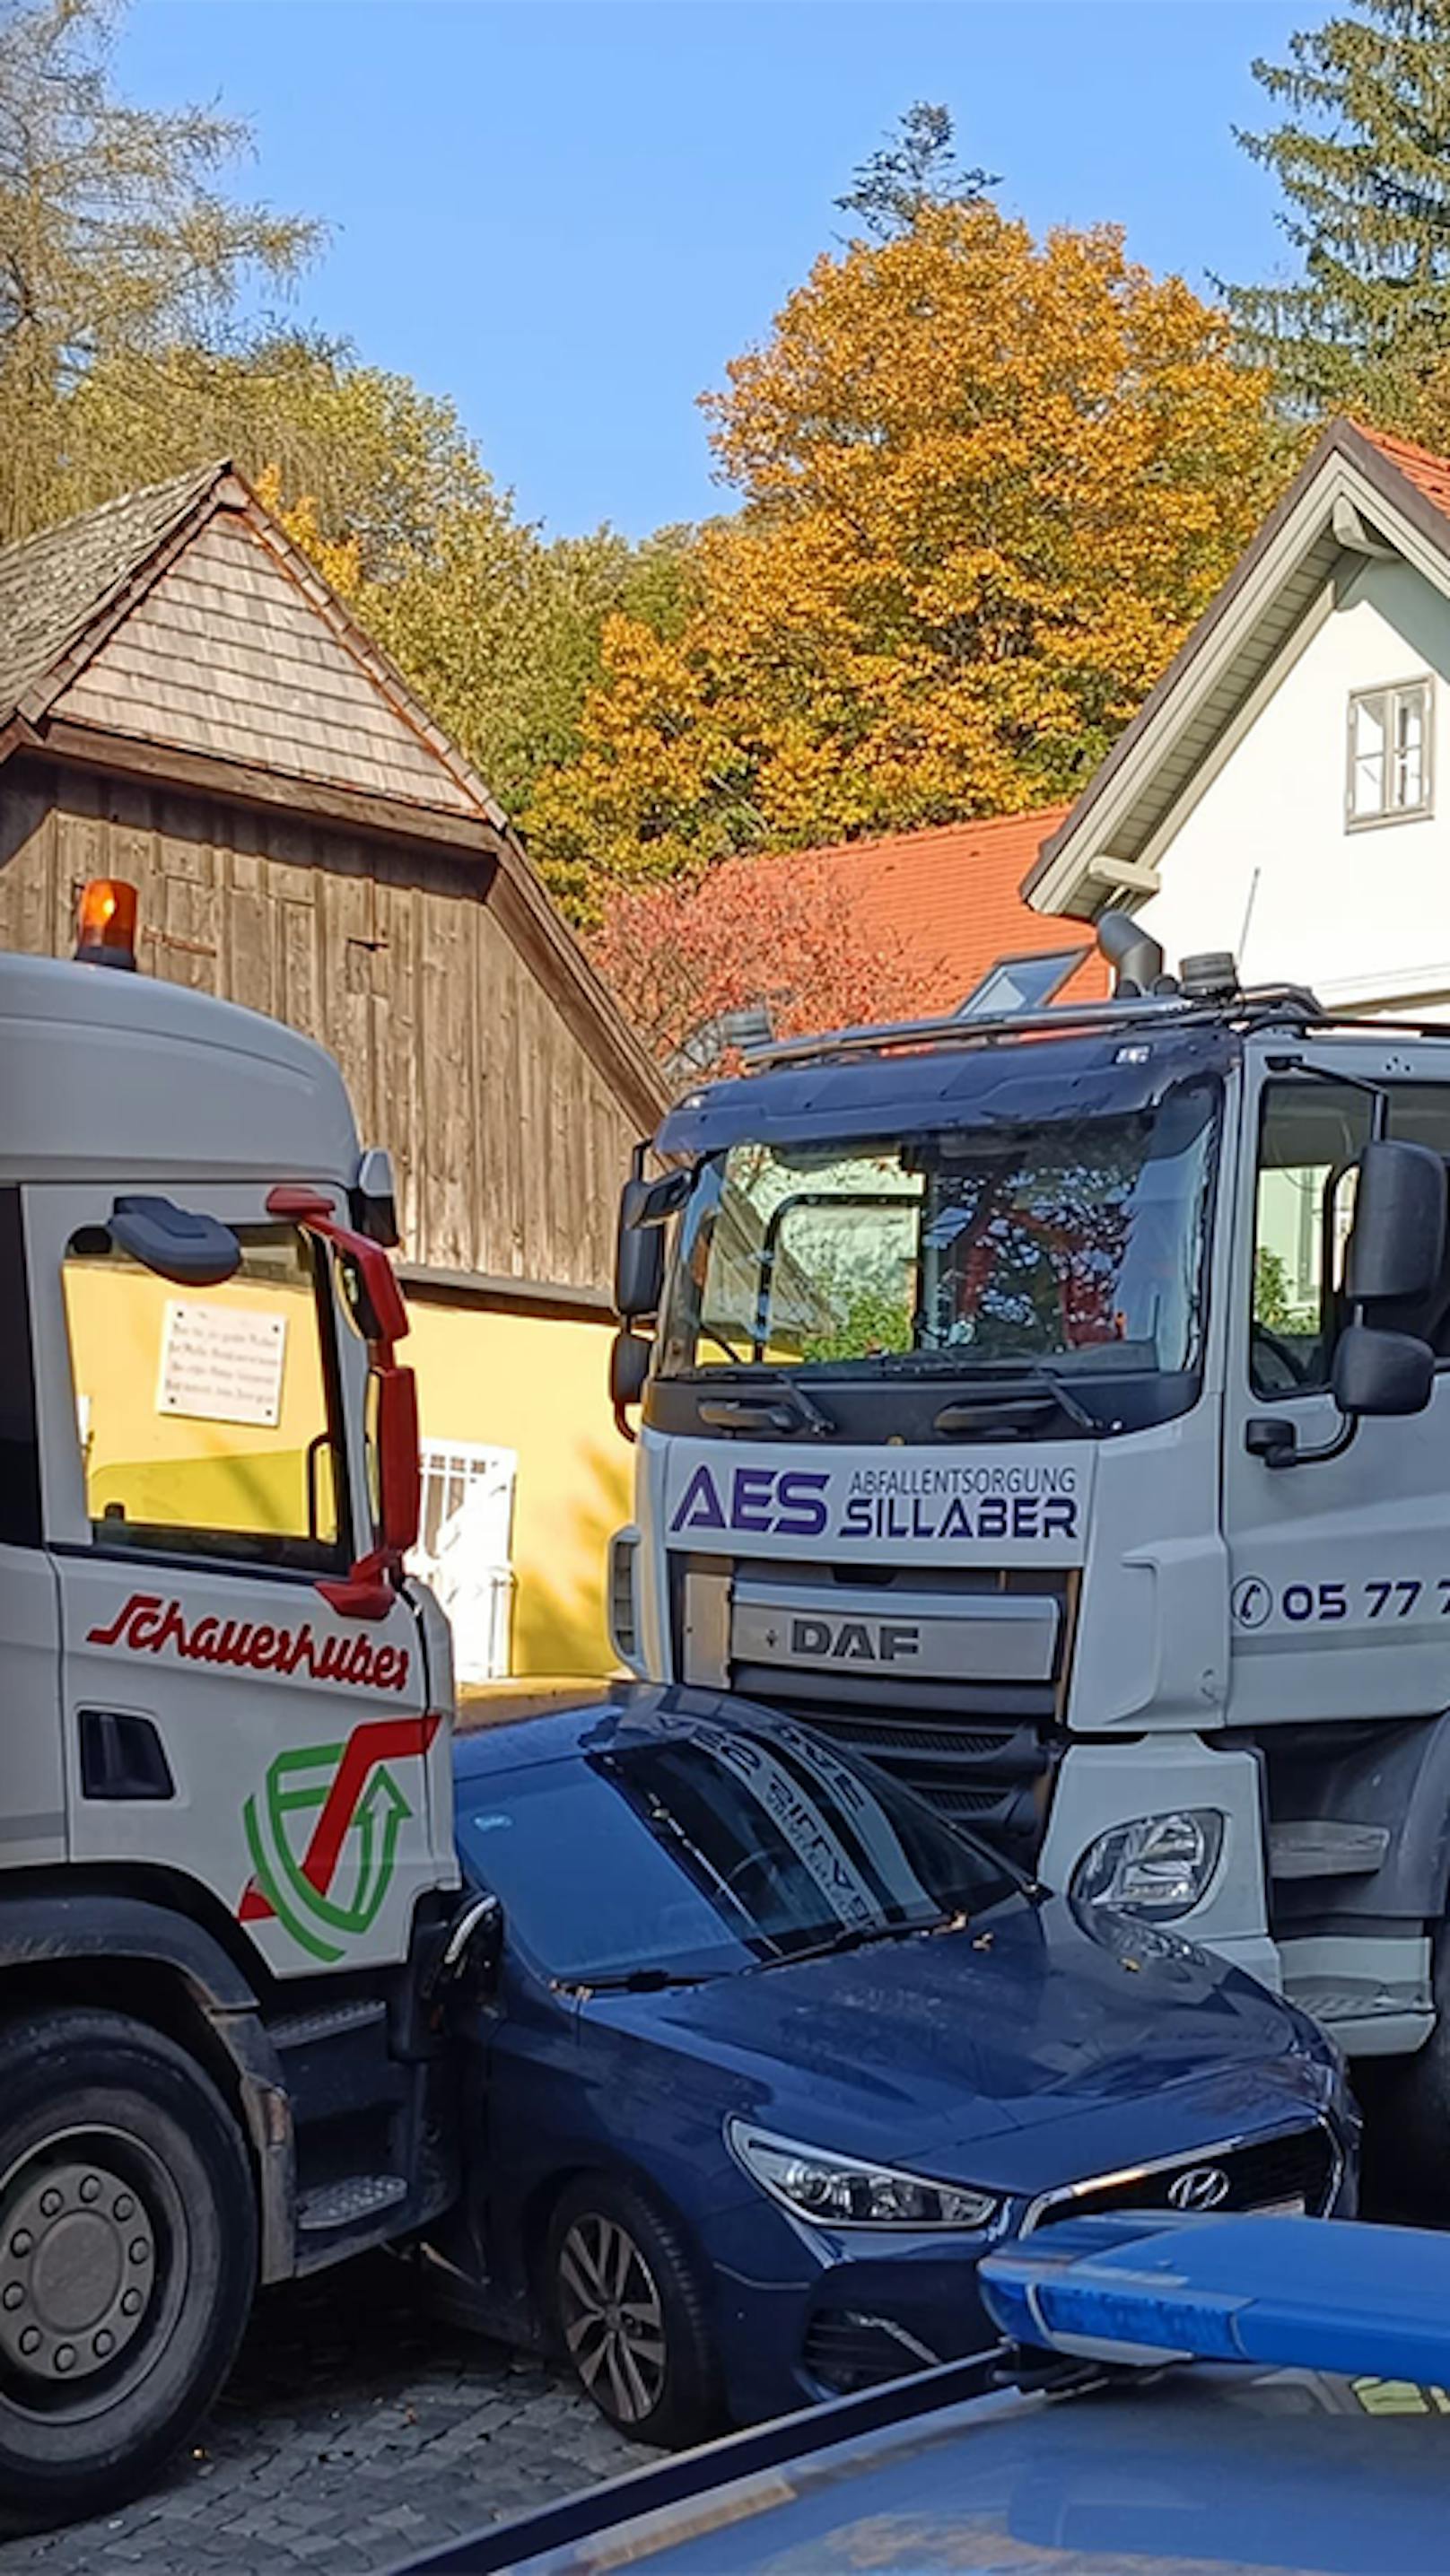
(987, 483)
(681, 957)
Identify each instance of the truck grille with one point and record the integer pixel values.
(1296, 2164)
(981, 1777)
(969, 1731)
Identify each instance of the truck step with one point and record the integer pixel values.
(303, 2030)
(349, 2202)
(1320, 1847)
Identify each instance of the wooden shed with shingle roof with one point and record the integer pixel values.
(185, 702)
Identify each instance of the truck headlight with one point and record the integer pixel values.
(843, 2191)
(1157, 1866)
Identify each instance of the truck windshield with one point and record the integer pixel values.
(1072, 1241)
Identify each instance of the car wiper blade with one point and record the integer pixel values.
(637, 1981)
(859, 1936)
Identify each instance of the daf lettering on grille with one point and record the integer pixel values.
(855, 1641)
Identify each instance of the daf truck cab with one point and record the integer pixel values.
(228, 1892)
(1057, 1409)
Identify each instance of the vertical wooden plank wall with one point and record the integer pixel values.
(510, 1144)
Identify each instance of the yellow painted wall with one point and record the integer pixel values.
(179, 1470)
(538, 1385)
(534, 1384)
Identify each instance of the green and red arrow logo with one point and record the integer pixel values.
(359, 1812)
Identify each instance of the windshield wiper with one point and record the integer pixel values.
(859, 1936)
(636, 1981)
(788, 1409)
(1026, 1376)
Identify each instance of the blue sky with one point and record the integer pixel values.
(567, 217)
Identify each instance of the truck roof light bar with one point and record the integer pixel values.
(1278, 2292)
(1272, 1004)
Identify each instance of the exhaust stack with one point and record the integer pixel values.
(1135, 957)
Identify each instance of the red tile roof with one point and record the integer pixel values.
(1430, 474)
(950, 894)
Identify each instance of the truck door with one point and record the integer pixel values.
(32, 1809)
(1340, 1583)
(205, 1479)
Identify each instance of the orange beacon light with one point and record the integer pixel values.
(106, 924)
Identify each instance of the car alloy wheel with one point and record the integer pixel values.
(613, 2318)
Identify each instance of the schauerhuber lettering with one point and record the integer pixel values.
(148, 1625)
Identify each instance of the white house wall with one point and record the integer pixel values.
(1265, 865)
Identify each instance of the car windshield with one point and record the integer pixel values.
(698, 1848)
(1069, 1243)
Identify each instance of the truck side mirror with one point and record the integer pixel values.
(639, 1252)
(1397, 1243)
(629, 1360)
(1379, 1373)
(639, 1271)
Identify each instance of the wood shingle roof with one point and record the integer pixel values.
(54, 586)
(177, 637)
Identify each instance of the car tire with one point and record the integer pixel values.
(128, 2259)
(627, 2304)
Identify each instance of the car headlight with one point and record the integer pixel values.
(1156, 1866)
(842, 2191)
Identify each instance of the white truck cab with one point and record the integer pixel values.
(1057, 1409)
(227, 1879)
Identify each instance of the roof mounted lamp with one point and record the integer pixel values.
(1135, 957)
(1212, 976)
(106, 924)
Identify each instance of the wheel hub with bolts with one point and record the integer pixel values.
(77, 2268)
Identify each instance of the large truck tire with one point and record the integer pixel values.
(1406, 2105)
(128, 2258)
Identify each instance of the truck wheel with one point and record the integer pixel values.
(128, 2258)
(1406, 2106)
(629, 2310)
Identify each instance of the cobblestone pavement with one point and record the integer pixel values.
(354, 2430)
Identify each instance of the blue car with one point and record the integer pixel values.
(768, 2057)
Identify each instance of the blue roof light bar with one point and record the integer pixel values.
(1306, 2293)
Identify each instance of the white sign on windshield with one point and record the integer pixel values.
(221, 1364)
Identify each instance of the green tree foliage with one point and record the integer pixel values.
(115, 239)
(1362, 154)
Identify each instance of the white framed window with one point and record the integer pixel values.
(1391, 741)
(465, 1547)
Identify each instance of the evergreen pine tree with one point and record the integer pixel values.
(1363, 157)
(918, 168)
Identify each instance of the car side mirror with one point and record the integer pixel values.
(1397, 1242)
(1380, 1374)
